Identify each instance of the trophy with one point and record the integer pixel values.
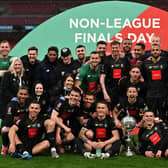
(129, 123)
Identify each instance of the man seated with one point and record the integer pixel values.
(100, 134)
(26, 134)
(16, 108)
(66, 114)
(154, 139)
(133, 104)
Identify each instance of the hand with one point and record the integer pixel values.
(100, 145)
(107, 98)
(58, 140)
(118, 123)
(12, 148)
(140, 124)
(149, 154)
(159, 154)
(93, 144)
(67, 130)
(94, 115)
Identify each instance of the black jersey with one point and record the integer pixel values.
(67, 68)
(154, 139)
(15, 111)
(114, 70)
(125, 83)
(102, 129)
(156, 77)
(66, 112)
(133, 109)
(29, 130)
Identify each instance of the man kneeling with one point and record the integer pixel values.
(100, 135)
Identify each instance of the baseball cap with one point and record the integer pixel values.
(65, 52)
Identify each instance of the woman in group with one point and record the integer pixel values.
(11, 81)
(62, 90)
(38, 93)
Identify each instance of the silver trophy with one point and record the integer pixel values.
(129, 123)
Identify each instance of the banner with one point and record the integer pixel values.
(87, 24)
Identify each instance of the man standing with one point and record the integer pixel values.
(111, 72)
(30, 64)
(87, 78)
(155, 73)
(4, 58)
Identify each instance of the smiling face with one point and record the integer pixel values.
(115, 50)
(155, 51)
(74, 98)
(101, 110)
(94, 60)
(4, 49)
(101, 48)
(81, 52)
(88, 100)
(127, 45)
(132, 93)
(32, 55)
(39, 89)
(18, 66)
(69, 82)
(22, 95)
(34, 110)
(148, 118)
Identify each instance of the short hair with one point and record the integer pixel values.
(66, 75)
(35, 102)
(53, 48)
(115, 42)
(4, 41)
(141, 44)
(89, 93)
(102, 102)
(94, 52)
(11, 67)
(135, 66)
(80, 46)
(155, 45)
(33, 48)
(23, 87)
(127, 39)
(132, 86)
(75, 89)
(101, 42)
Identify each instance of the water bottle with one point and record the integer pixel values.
(98, 151)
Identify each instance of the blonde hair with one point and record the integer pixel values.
(11, 68)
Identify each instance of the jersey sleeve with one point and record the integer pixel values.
(9, 117)
(58, 106)
(81, 74)
(89, 124)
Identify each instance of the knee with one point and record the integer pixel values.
(4, 130)
(89, 134)
(166, 153)
(50, 125)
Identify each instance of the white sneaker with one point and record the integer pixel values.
(89, 155)
(54, 153)
(104, 155)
